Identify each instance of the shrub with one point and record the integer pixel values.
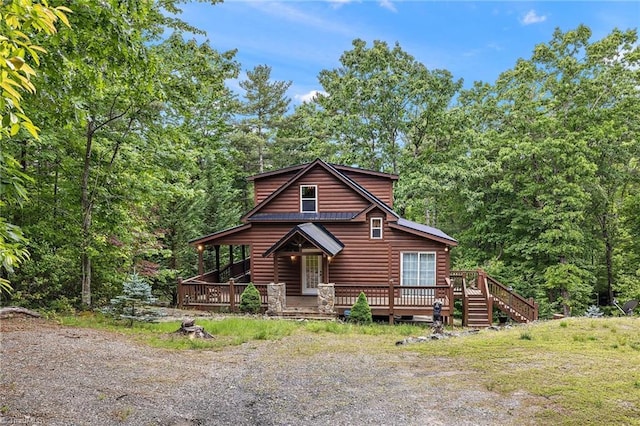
(135, 294)
(250, 300)
(361, 311)
(593, 312)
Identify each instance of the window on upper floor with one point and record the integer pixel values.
(309, 198)
(376, 228)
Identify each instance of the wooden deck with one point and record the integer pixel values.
(384, 300)
(479, 294)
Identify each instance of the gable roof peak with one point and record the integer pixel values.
(332, 170)
(339, 167)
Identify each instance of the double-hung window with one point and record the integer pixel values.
(376, 228)
(418, 269)
(309, 198)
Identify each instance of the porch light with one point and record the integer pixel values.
(330, 258)
(200, 247)
(446, 248)
(293, 259)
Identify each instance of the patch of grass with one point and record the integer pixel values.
(123, 414)
(526, 335)
(230, 331)
(564, 364)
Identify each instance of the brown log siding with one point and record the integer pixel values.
(363, 261)
(265, 186)
(333, 195)
(405, 242)
(381, 187)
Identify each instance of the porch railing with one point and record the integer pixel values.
(392, 295)
(205, 295)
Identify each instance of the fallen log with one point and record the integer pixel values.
(189, 328)
(10, 311)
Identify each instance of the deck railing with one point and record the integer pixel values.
(394, 296)
(206, 295)
(462, 278)
(414, 300)
(199, 292)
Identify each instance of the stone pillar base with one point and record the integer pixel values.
(276, 298)
(326, 298)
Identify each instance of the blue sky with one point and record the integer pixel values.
(473, 40)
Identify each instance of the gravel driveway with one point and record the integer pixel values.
(54, 375)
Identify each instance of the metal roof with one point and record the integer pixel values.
(303, 217)
(316, 234)
(220, 234)
(425, 229)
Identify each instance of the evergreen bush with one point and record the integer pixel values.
(250, 300)
(361, 311)
(136, 293)
(593, 312)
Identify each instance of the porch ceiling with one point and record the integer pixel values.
(316, 234)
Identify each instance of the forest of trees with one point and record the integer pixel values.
(121, 141)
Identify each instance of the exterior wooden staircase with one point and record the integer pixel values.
(480, 293)
(476, 310)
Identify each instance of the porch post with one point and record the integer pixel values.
(230, 254)
(325, 268)
(200, 260)
(244, 260)
(275, 268)
(217, 247)
(232, 296)
(180, 291)
(391, 301)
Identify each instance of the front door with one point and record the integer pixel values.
(311, 273)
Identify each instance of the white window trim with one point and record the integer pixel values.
(315, 199)
(372, 228)
(435, 265)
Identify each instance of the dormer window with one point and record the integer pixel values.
(376, 228)
(309, 198)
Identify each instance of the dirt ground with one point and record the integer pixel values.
(55, 375)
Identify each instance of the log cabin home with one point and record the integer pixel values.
(319, 234)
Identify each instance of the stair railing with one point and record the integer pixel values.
(507, 300)
(488, 296)
(465, 303)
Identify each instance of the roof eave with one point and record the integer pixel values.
(449, 242)
(220, 234)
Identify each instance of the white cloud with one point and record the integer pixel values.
(533, 18)
(337, 4)
(289, 12)
(309, 96)
(388, 4)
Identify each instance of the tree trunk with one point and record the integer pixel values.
(566, 309)
(10, 311)
(86, 219)
(608, 257)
